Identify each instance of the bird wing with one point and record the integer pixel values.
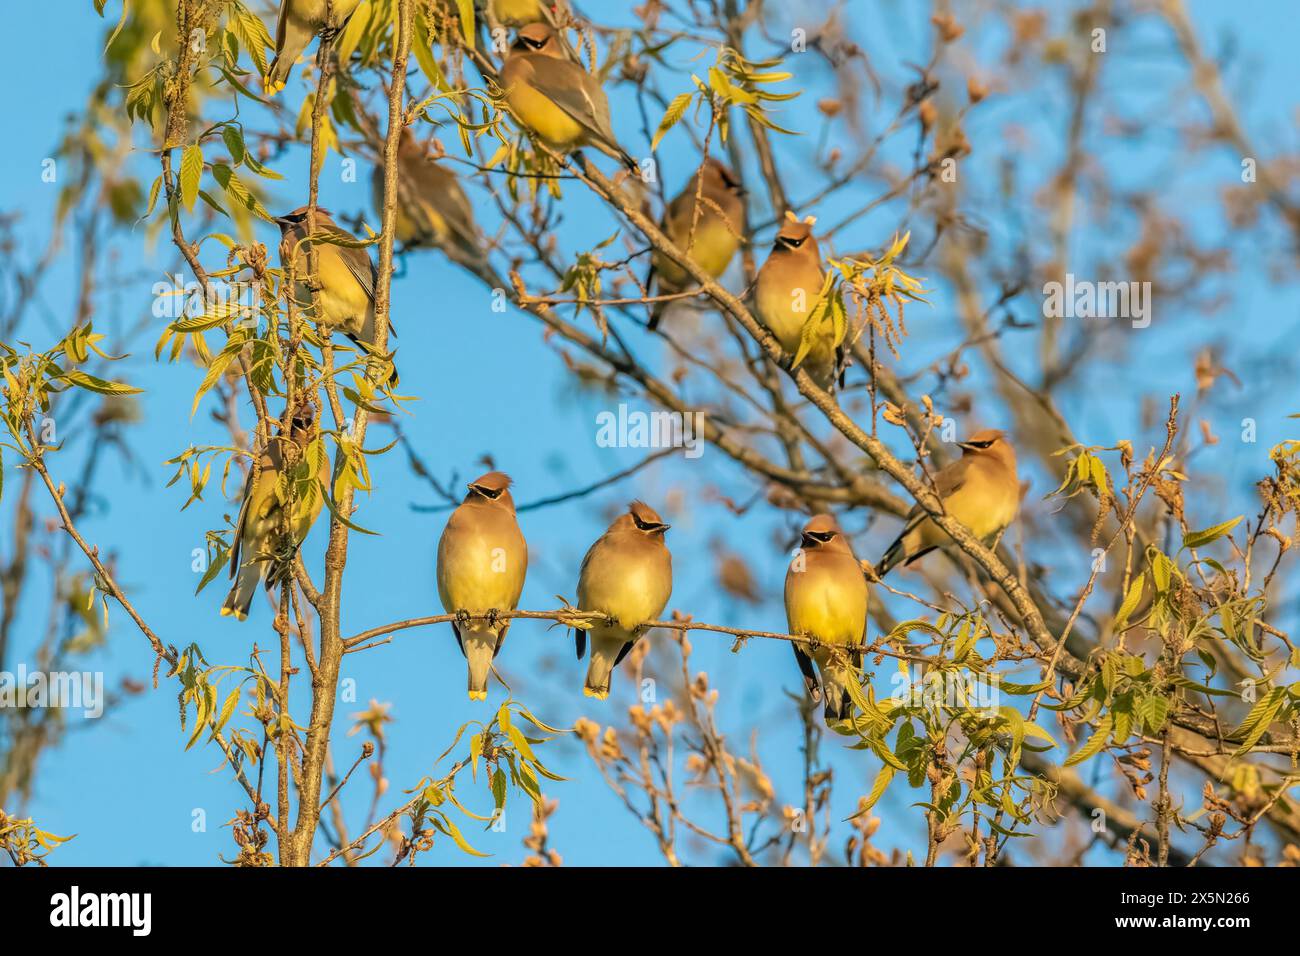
(363, 270)
(360, 265)
(580, 635)
(948, 481)
(255, 499)
(282, 24)
(236, 546)
(453, 203)
(576, 92)
(809, 675)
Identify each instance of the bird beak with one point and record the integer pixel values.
(808, 541)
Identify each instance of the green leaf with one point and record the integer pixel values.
(217, 367)
(237, 191)
(94, 384)
(466, 8)
(1095, 742)
(475, 751)
(878, 787)
(228, 708)
(1260, 716)
(1154, 710)
(1197, 539)
(672, 116)
(191, 173)
(1129, 604)
(234, 141)
(214, 569)
(521, 744)
(153, 196)
(444, 824)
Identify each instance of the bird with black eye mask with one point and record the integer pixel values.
(981, 490)
(554, 98)
(482, 562)
(709, 231)
(786, 293)
(282, 499)
(626, 576)
(344, 293)
(826, 599)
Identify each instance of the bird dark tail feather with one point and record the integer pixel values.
(841, 709)
(892, 557)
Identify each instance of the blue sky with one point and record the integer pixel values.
(489, 386)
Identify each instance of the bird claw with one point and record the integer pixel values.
(611, 620)
(493, 617)
(462, 617)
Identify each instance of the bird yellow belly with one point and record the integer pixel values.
(475, 579)
(554, 126)
(315, 15)
(834, 615)
(631, 595)
(712, 250)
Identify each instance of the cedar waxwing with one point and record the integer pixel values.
(980, 489)
(347, 279)
(482, 560)
(786, 293)
(300, 20)
(713, 236)
(556, 99)
(627, 576)
(826, 599)
(432, 208)
(259, 544)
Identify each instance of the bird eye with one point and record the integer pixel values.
(492, 493)
(792, 243)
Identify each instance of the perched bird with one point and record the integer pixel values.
(482, 560)
(264, 534)
(627, 575)
(300, 20)
(432, 208)
(980, 489)
(555, 98)
(711, 236)
(786, 293)
(826, 599)
(347, 278)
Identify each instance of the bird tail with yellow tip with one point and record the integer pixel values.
(605, 656)
(479, 643)
(838, 703)
(242, 591)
